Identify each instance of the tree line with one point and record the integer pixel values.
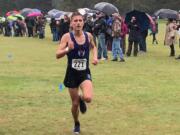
(124, 6)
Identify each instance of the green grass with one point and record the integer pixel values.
(138, 97)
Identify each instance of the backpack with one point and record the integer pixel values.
(116, 28)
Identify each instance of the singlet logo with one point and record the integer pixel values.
(81, 53)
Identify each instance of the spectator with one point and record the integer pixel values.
(170, 36)
(88, 25)
(142, 41)
(154, 31)
(124, 31)
(41, 27)
(116, 31)
(100, 28)
(53, 29)
(134, 34)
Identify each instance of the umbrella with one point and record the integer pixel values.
(58, 14)
(92, 11)
(69, 14)
(12, 18)
(26, 12)
(34, 14)
(82, 11)
(106, 8)
(12, 12)
(166, 13)
(19, 16)
(141, 17)
(25, 9)
(52, 11)
(55, 13)
(36, 10)
(152, 23)
(2, 19)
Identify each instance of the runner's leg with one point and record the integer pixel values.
(75, 103)
(87, 90)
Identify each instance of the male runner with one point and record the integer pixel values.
(76, 45)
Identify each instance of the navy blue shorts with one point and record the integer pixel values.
(74, 78)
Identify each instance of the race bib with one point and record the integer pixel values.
(79, 64)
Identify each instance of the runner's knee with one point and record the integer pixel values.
(87, 99)
(75, 104)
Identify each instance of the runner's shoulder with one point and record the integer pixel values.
(89, 35)
(66, 36)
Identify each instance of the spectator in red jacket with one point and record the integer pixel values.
(124, 31)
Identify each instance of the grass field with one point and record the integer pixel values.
(138, 97)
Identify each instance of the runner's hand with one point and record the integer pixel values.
(95, 61)
(70, 45)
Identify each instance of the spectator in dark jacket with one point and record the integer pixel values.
(100, 29)
(66, 24)
(30, 23)
(142, 41)
(88, 25)
(134, 35)
(53, 29)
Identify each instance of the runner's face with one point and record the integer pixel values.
(77, 22)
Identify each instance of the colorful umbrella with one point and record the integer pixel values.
(19, 16)
(2, 19)
(152, 23)
(34, 14)
(12, 18)
(26, 12)
(12, 13)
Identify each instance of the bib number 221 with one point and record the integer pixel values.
(79, 64)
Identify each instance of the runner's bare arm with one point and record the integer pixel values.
(65, 46)
(62, 48)
(94, 49)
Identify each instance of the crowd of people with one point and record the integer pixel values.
(109, 32)
(30, 27)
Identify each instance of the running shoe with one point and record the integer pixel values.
(82, 106)
(76, 128)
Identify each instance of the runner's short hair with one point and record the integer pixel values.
(76, 13)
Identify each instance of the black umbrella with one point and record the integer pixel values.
(106, 8)
(166, 13)
(141, 17)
